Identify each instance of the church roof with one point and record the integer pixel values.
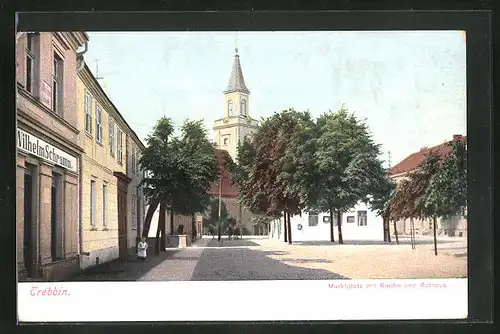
(236, 81)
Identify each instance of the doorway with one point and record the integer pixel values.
(29, 242)
(55, 218)
(122, 223)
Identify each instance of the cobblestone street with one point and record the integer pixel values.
(260, 258)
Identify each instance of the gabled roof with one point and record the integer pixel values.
(412, 161)
(228, 190)
(236, 81)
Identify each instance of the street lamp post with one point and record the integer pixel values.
(220, 209)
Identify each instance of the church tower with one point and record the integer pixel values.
(236, 123)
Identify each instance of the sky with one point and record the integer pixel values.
(410, 86)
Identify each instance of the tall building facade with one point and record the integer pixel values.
(48, 154)
(236, 123)
(111, 198)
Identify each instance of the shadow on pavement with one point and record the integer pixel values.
(247, 264)
(307, 260)
(231, 243)
(129, 270)
(371, 242)
(275, 252)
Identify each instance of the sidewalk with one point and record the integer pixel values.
(168, 265)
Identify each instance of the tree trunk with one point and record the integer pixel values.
(162, 222)
(149, 215)
(434, 221)
(339, 226)
(412, 233)
(332, 234)
(289, 228)
(219, 229)
(193, 228)
(285, 230)
(388, 225)
(157, 240)
(172, 232)
(396, 232)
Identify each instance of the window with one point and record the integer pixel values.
(133, 160)
(88, 112)
(30, 62)
(326, 219)
(138, 164)
(362, 219)
(226, 141)
(104, 201)
(98, 123)
(92, 204)
(57, 84)
(230, 108)
(350, 219)
(119, 143)
(313, 218)
(111, 137)
(243, 110)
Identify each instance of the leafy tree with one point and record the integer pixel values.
(348, 170)
(269, 184)
(211, 217)
(180, 170)
(400, 205)
(383, 189)
(197, 170)
(446, 194)
(158, 159)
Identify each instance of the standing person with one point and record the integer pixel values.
(142, 247)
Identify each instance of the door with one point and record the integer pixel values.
(28, 246)
(122, 223)
(53, 220)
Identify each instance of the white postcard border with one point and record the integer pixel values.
(331, 300)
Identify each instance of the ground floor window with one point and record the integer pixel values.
(313, 219)
(362, 218)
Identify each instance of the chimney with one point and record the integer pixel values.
(423, 148)
(457, 137)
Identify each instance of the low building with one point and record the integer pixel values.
(48, 154)
(110, 197)
(191, 228)
(456, 226)
(358, 224)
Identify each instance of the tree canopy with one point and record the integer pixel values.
(180, 168)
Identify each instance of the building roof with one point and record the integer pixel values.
(236, 81)
(228, 189)
(412, 161)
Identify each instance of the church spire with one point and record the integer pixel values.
(236, 81)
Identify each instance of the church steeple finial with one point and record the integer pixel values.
(236, 81)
